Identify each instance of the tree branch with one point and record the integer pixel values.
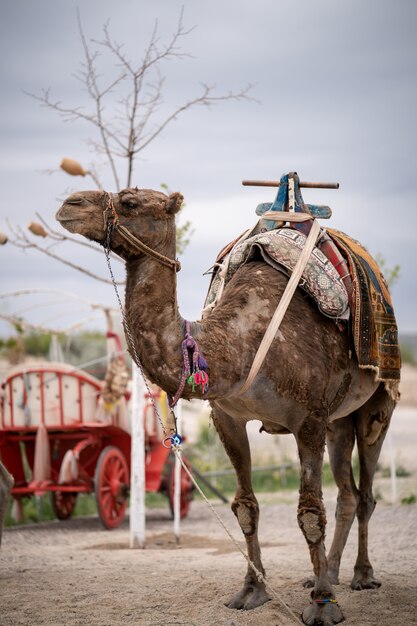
(23, 242)
(205, 99)
(92, 82)
(24, 325)
(132, 124)
(36, 290)
(54, 234)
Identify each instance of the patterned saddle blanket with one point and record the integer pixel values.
(281, 249)
(374, 327)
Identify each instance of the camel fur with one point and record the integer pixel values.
(6, 484)
(309, 385)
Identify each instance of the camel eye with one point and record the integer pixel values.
(131, 203)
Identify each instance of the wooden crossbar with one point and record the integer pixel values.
(276, 183)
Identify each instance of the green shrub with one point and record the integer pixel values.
(400, 472)
(411, 499)
(39, 508)
(208, 455)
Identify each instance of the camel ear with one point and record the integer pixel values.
(174, 202)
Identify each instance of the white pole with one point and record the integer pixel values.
(137, 471)
(177, 480)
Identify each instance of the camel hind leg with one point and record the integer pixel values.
(340, 443)
(371, 424)
(245, 506)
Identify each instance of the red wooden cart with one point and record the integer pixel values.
(54, 438)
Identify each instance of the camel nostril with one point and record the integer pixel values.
(74, 200)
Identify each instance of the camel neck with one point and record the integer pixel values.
(154, 320)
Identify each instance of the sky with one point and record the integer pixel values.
(333, 97)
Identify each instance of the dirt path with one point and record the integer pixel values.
(74, 573)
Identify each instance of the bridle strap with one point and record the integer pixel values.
(112, 222)
(142, 247)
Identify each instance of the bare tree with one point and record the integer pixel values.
(126, 115)
(126, 112)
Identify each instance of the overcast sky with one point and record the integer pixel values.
(336, 89)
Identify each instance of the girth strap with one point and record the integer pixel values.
(283, 304)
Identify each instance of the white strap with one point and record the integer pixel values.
(283, 304)
(291, 195)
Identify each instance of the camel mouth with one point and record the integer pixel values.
(62, 219)
(71, 208)
(77, 216)
(62, 216)
(67, 216)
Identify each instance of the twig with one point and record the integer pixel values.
(23, 242)
(54, 234)
(92, 82)
(17, 321)
(24, 292)
(205, 99)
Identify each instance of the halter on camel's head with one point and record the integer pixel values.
(111, 223)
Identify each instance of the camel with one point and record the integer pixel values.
(309, 385)
(6, 484)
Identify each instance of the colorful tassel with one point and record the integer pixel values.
(194, 375)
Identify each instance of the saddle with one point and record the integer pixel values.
(279, 244)
(355, 285)
(281, 248)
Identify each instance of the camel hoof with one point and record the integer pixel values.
(309, 583)
(322, 614)
(360, 582)
(249, 598)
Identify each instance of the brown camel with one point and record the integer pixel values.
(309, 385)
(6, 483)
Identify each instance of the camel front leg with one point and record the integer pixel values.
(312, 521)
(245, 506)
(6, 483)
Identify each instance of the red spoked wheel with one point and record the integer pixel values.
(111, 486)
(63, 503)
(186, 485)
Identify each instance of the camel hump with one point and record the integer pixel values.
(281, 248)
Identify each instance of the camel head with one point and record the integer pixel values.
(148, 215)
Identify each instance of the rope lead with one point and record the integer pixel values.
(175, 439)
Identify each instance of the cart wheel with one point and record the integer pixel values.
(63, 503)
(186, 489)
(111, 486)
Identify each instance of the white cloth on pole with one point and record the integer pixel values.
(137, 471)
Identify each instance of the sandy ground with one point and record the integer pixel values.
(74, 573)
